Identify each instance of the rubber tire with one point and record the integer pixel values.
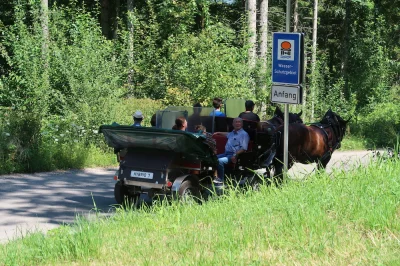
(189, 186)
(119, 193)
(255, 182)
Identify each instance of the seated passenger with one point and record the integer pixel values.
(153, 120)
(208, 137)
(180, 124)
(217, 102)
(248, 114)
(195, 118)
(238, 141)
(137, 118)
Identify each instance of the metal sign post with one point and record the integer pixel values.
(286, 120)
(287, 74)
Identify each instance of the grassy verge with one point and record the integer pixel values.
(350, 217)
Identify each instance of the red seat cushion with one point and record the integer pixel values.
(221, 141)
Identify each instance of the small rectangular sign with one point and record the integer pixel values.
(286, 94)
(287, 58)
(140, 174)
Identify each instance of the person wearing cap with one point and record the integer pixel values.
(137, 118)
(248, 114)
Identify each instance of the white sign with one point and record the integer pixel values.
(286, 94)
(140, 174)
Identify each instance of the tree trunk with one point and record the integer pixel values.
(202, 8)
(130, 42)
(346, 48)
(115, 19)
(295, 29)
(263, 48)
(263, 30)
(296, 16)
(45, 31)
(314, 57)
(252, 20)
(43, 94)
(105, 18)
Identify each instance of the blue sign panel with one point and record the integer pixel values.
(287, 58)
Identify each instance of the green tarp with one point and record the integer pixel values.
(190, 145)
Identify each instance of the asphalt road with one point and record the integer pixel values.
(43, 201)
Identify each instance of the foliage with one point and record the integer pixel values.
(381, 125)
(80, 84)
(179, 52)
(208, 65)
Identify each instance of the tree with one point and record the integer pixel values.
(105, 17)
(295, 16)
(263, 30)
(252, 28)
(263, 45)
(314, 55)
(130, 41)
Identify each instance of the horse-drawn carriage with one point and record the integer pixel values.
(159, 162)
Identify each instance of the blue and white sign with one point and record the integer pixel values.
(287, 54)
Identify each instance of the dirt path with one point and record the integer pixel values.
(42, 201)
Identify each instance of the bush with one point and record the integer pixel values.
(19, 140)
(381, 126)
(29, 143)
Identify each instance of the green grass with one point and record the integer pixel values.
(345, 218)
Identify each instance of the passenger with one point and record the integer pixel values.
(217, 102)
(238, 141)
(195, 118)
(248, 114)
(180, 124)
(153, 120)
(137, 118)
(208, 137)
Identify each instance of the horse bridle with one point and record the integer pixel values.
(336, 130)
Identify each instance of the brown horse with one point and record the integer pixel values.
(277, 120)
(313, 143)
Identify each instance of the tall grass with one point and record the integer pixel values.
(347, 217)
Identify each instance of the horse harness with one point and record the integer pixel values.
(336, 133)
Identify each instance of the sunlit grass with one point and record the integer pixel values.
(344, 218)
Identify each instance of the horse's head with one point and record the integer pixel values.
(336, 122)
(342, 124)
(279, 117)
(295, 118)
(278, 120)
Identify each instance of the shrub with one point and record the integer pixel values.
(381, 126)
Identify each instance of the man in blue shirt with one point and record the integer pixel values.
(238, 141)
(137, 118)
(217, 102)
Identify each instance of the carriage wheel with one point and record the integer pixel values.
(119, 193)
(268, 177)
(122, 197)
(189, 192)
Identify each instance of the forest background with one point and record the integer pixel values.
(67, 67)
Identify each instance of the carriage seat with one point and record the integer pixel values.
(221, 142)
